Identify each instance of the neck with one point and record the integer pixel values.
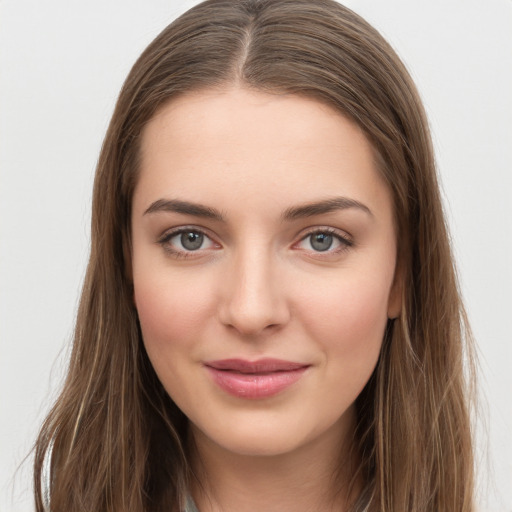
(316, 476)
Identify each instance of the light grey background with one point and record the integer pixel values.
(62, 63)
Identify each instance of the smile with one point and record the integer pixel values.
(255, 379)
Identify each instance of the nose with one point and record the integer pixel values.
(253, 300)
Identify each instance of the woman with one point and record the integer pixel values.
(270, 318)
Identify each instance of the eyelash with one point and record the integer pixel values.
(177, 253)
(345, 242)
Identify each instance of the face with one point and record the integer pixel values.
(263, 265)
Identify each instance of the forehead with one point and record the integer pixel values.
(216, 144)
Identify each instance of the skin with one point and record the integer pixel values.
(257, 287)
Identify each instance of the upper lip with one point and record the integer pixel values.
(266, 365)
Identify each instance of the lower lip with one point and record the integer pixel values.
(255, 385)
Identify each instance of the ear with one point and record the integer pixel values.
(395, 298)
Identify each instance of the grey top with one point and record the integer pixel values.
(190, 506)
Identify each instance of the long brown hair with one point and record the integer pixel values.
(114, 440)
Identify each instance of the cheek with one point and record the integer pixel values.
(171, 311)
(347, 320)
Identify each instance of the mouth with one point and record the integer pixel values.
(255, 379)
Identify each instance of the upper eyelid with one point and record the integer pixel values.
(170, 232)
(344, 235)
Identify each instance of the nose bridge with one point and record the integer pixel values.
(253, 298)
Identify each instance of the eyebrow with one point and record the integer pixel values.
(293, 213)
(185, 207)
(322, 207)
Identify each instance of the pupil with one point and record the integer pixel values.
(321, 241)
(191, 240)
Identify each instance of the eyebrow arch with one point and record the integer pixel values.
(326, 206)
(185, 207)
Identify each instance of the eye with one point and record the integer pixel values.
(189, 240)
(183, 241)
(324, 240)
(321, 241)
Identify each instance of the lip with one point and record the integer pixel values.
(255, 379)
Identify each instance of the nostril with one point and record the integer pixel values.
(254, 320)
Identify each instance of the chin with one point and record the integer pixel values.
(252, 443)
(270, 435)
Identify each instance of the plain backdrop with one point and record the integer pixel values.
(62, 63)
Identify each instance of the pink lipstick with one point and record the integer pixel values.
(255, 379)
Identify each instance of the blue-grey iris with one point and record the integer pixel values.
(191, 240)
(321, 241)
